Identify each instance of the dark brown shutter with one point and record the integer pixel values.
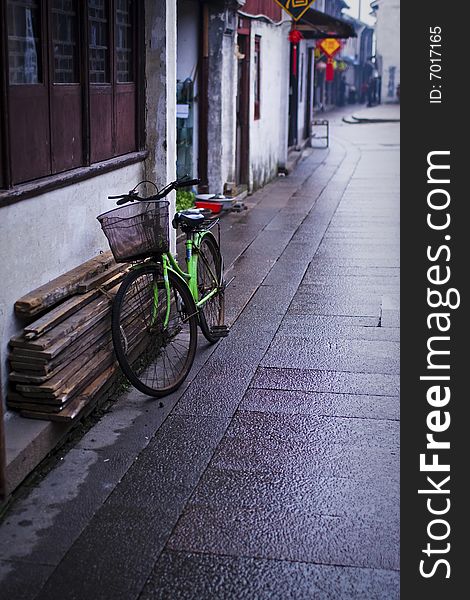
(28, 96)
(125, 70)
(65, 89)
(100, 77)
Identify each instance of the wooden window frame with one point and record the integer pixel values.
(124, 152)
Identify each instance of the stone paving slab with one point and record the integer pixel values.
(308, 433)
(308, 300)
(339, 355)
(333, 281)
(138, 517)
(296, 536)
(369, 262)
(321, 404)
(308, 380)
(334, 328)
(335, 460)
(24, 581)
(274, 493)
(317, 268)
(187, 576)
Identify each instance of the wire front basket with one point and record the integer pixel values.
(137, 230)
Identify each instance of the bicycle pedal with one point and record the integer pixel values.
(220, 331)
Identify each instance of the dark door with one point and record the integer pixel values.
(309, 102)
(242, 147)
(293, 101)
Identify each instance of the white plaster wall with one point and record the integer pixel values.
(171, 52)
(229, 110)
(188, 31)
(160, 71)
(268, 134)
(222, 106)
(45, 236)
(388, 44)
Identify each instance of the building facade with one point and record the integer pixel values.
(387, 13)
(87, 110)
(98, 95)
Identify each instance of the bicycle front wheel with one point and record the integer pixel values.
(209, 277)
(154, 336)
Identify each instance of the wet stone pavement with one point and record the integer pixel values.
(273, 473)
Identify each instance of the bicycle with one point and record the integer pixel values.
(158, 305)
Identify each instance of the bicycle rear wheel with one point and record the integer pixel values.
(155, 358)
(209, 276)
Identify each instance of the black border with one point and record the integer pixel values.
(428, 127)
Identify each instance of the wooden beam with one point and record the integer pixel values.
(62, 287)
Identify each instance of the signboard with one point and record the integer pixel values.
(295, 8)
(330, 46)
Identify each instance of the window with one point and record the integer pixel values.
(257, 61)
(24, 51)
(71, 85)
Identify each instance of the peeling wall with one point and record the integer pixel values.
(160, 73)
(222, 87)
(268, 134)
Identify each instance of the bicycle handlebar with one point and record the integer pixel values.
(174, 185)
(185, 183)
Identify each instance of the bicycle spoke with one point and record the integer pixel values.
(209, 276)
(155, 356)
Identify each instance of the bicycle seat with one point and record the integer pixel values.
(188, 219)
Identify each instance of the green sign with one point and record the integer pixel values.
(295, 8)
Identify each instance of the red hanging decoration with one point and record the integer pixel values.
(294, 38)
(330, 70)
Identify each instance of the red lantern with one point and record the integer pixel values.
(294, 38)
(330, 70)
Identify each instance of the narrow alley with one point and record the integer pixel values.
(273, 473)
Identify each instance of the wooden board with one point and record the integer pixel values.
(42, 407)
(67, 308)
(14, 397)
(75, 383)
(40, 360)
(30, 368)
(98, 341)
(60, 380)
(93, 393)
(67, 414)
(62, 287)
(99, 280)
(63, 333)
(28, 356)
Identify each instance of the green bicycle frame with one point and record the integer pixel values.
(189, 277)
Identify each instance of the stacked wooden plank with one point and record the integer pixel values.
(63, 360)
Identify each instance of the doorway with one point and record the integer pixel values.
(309, 103)
(293, 100)
(243, 108)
